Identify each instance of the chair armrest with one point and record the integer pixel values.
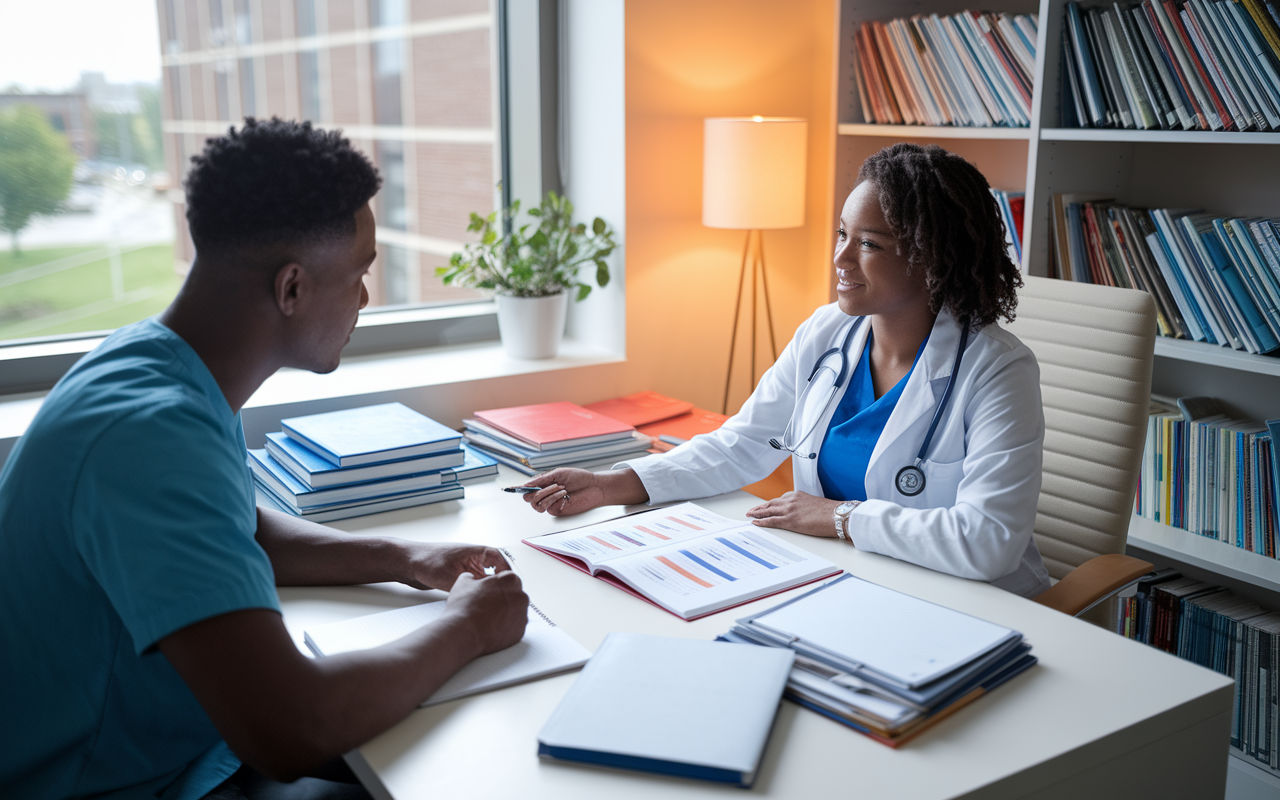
(1093, 581)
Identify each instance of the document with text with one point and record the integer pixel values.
(686, 559)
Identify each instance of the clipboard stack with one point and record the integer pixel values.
(884, 663)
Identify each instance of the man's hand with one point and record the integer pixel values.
(799, 512)
(439, 565)
(567, 491)
(495, 609)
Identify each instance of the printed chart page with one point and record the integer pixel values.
(719, 570)
(607, 541)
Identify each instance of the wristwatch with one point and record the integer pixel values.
(841, 517)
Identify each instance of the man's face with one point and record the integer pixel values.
(335, 275)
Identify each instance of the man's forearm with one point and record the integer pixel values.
(303, 553)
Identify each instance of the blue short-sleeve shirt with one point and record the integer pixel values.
(126, 514)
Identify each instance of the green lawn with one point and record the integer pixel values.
(45, 291)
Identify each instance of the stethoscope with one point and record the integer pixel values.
(910, 479)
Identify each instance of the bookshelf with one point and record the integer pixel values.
(1230, 173)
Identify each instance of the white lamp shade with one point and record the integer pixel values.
(753, 172)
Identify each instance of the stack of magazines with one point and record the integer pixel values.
(966, 69)
(535, 438)
(1214, 279)
(361, 461)
(1209, 65)
(884, 663)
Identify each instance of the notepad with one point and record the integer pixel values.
(545, 649)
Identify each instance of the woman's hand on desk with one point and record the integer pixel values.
(572, 491)
(799, 512)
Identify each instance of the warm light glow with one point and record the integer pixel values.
(753, 174)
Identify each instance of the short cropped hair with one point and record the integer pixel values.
(276, 182)
(940, 208)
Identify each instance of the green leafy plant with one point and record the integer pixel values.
(538, 259)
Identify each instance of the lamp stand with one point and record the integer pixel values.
(756, 258)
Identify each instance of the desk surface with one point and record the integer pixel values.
(1096, 704)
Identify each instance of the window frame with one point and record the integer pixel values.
(527, 171)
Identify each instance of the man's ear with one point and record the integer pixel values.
(289, 287)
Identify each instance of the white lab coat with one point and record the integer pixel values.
(975, 516)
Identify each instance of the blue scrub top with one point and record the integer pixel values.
(126, 513)
(855, 428)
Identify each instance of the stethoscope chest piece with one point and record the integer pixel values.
(910, 480)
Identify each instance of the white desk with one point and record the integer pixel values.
(1099, 716)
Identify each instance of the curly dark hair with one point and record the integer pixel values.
(941, 209)
(276, 182)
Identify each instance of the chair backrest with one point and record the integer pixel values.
(1095, 346)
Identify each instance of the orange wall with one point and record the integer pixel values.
(686, 60)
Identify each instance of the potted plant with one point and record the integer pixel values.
(531, 268)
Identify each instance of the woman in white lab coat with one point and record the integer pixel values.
(920, 249)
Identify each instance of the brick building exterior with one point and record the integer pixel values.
(411, 83)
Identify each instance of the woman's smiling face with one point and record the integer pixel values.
(872, 273)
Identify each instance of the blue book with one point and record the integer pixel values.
(674, 706)
(371, 435)
(436, 494)
(476, 465)
(1234, 281)
(319, 473)
(283, 483)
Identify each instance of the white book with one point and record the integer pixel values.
(682, 707)
(545, 649)
(686, 559)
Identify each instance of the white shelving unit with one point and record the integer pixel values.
(1228, 173)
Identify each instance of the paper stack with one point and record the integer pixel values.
(884, 663)
(361, 461)
(535, 438)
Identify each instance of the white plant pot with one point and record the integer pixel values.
(532, 327)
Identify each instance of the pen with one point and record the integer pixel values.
(521, 489)
(672, 440)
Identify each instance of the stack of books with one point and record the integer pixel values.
(1213, 279)
(1226, 633)
(967, 69)
(536, 438)
(884, 663)
(1208, 65)
(361, 461)
(1211, 474)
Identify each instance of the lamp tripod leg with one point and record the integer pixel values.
(764, 280)
(755, 314)
(737, 308)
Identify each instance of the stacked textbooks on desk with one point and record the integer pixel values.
(967, 69)
(361, 461)
(1213, 279)
(1211, 474)
(535, 438)
(1226, 633)
(1197, 65)
(884, 663)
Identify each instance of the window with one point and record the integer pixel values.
(411, 83)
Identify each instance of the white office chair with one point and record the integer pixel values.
(1095, 346)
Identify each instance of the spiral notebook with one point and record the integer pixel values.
(545, 649)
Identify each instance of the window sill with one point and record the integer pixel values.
(429, 379)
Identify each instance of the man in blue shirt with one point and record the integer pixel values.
(143, 650)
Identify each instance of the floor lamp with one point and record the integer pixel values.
(753, 171)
